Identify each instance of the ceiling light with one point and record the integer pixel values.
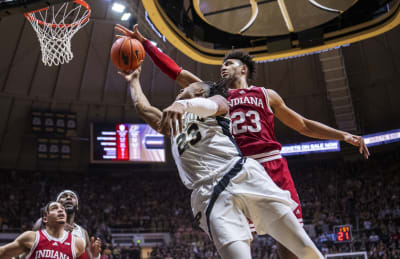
(125, 16)
(118, 7)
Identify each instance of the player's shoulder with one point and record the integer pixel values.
(79, 227)
(26, 238)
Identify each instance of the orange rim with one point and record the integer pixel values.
(29, 16)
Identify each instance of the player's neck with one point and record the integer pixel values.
(71, 218)
(240, 83)
(56, 231)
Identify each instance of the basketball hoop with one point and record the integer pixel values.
(55, 26)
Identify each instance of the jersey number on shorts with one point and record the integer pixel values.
(237, 125)
(190, 137)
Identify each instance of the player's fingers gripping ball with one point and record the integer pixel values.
(127, 54)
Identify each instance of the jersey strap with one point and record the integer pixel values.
(225, 125)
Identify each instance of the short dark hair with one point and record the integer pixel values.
(246, 59)
(45, 209)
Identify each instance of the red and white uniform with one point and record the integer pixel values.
(48, 247)
(253, 129)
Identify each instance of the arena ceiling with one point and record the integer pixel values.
(269, 29)
(90, 86)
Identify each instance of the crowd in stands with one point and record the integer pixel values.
(364, 194)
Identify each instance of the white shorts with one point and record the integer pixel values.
(246, 193)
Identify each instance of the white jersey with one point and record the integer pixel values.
(79, 232)
(210, 163)
(204, 150)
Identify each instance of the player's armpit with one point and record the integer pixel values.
(22, 244)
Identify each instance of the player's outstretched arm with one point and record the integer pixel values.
(312, 128)
(203, 107)
(183, 77)
(150, 114)
(22, 244)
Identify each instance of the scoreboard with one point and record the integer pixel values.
(125, 142)
(342, 233)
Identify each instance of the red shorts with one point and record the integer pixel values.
(279, 172)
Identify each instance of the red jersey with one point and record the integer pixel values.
(253, 122)
(253, 129)
(48, 247)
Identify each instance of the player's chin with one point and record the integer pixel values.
(61, 221)
(70, 209)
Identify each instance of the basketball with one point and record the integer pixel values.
(126, 53)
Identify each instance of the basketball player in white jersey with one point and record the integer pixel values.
(51, 242)
(253, 127)
(226, 187)
(69, 199)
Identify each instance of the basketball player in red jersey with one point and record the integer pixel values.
(69, 199)
(53, 242)
(252, 110)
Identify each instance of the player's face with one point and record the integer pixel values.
(69, 201)
(192, 91)
(232, 68)
(56, 214)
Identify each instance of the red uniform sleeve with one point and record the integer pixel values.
(162, 61)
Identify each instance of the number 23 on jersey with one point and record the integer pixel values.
(190, 137)
(245, 122)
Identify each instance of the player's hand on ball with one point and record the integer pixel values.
(133, 34)
(358, 141)
(133, 75)
(171, 116)
(95, 246)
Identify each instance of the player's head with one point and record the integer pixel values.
(69, 199)
(205, 89)
(237, 64)
(53, 214)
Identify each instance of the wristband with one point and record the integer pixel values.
(200, 106)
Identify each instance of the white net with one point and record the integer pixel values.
(55, 26)
(350, 255)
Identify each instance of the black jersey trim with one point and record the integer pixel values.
(224, 123)
(221, 186)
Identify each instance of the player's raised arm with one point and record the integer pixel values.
(196, 99)
(22, 244)
(312, 128)
(161, 60)
(150, 114)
